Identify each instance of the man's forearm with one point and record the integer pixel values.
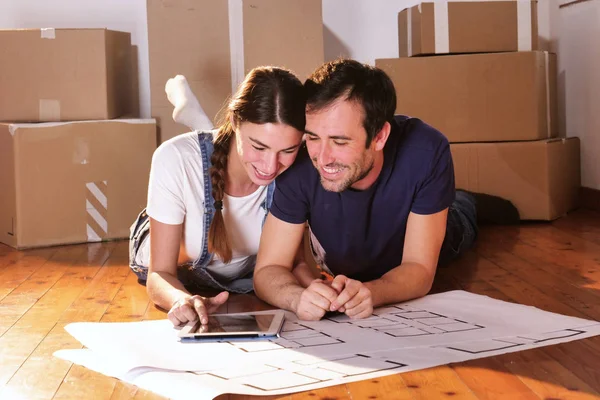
(277, 286)
(405, 282)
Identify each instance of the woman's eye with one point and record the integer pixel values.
(258, 148)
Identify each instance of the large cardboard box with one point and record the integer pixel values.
(64, 74)
(73, 182)
(215, 43)
(479, 97)
(541, 178)
(447, 27)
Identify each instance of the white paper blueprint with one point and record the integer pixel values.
(434, 330)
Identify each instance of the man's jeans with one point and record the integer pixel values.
(461, 228)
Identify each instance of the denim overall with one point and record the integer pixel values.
(195, 273)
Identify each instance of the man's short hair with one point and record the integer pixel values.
(351, 80)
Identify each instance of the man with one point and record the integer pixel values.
(378, 194)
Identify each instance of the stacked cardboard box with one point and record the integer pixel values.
(73, 168)
(474, 70)
(215, 43)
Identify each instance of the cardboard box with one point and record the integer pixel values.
(479, 97)
(468, 27)
(73, 182)
(64, 74)
(215, 43)
(541, 178)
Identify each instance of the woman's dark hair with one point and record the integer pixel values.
(267, 95)
(368, 86)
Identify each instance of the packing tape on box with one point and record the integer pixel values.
(548, 102)
(49, 110)
(442, 30)
(236, 42)
(48, 33)
(409, 31)
(96, 205)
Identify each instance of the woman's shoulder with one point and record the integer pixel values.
(181, 146)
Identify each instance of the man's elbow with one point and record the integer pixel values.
(257, 281)
(426, 283)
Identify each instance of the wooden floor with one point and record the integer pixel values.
(555, 267)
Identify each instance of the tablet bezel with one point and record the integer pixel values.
(273, 331)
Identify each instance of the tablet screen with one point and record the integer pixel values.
(235, 323)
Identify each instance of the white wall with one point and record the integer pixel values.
(576, 33)
(122, 15)
(362, 29)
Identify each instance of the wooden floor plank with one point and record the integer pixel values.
(545, 376)
(123, 391)
(24, 294)
(584, 224)
(130, 303)
(437, 383)
(40, 374)
(338, 392)
(536, 274)
(91, 307)
(385, 387)
(566, 255)
(23, 337)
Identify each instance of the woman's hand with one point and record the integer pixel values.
(193, 308)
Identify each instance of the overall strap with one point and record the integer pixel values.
(205, 140)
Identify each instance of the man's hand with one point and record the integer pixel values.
(354, 298)
(196, 307)
(315, 300)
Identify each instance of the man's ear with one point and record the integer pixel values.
(378, 142)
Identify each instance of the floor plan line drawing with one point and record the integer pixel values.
(435, 330)
(401, 323)
(276, 378)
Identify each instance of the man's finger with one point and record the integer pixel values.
(359, 298)
(201, 311)
(311, 313)
(361, 312)
(339, 282)
(324, 290)
(316, 300)
(361, 308)
(348, 294)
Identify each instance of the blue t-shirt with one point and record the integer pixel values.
(361, 233)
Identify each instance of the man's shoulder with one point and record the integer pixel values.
(417, 134)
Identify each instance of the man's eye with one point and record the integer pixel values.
(290, 151)
(258, 148)
(311, 138)
(338, 143)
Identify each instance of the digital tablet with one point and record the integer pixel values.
(253, 325)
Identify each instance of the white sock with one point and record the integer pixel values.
(188, 110)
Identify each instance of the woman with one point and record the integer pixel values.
(208, 196)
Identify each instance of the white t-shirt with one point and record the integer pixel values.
(176, 195)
